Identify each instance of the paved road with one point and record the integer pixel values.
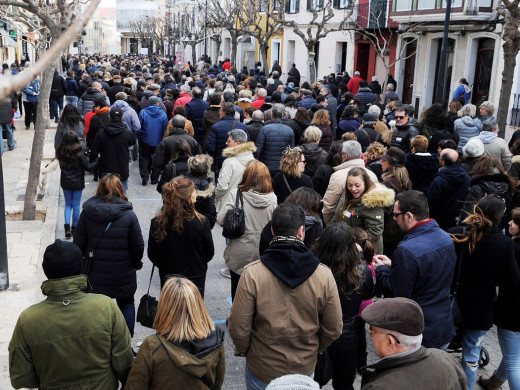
(146, 201)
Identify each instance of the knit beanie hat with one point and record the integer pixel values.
(293, 382)
(474, 148)
(61, 260)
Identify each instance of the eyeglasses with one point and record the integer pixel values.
(373, 332)
(397, 214)
(399, 117)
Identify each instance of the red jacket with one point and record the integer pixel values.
(353, 84)
(226, 65)
(182, 100)
(258, 103)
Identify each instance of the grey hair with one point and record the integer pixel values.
(326, 88)
(278, 111)
(489, 107)
(258, 116)
(121, 96)
(245, 93)
(467, 110)
(374, 109)
(178, 121)
(219, 86)
(185, 88)
(238, 135)
(390, 86)
(262, 92)
(489, 125)
(409, 341)
(200, 165)
(352, 149)
(312, 134)
(228, 96)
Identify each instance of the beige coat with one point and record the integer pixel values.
(258, 209)
(337, 185)
(281, 330)
(232, 169)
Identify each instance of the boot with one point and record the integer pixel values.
(491, 383)
(68, 234)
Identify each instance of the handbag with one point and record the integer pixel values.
(324, 370)
(458, 321)
(235, 220)
(147, 308)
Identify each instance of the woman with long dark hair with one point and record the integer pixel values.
(187, 352)
(180, 241)
(336, 248)
(486, 259)
(109, 236)
(178, 164)
(73, 164)
(71, 120)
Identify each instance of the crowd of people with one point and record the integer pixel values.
(346, 196)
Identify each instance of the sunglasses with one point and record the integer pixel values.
(397, 214)
(399, 117)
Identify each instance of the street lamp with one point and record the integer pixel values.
(442, 74)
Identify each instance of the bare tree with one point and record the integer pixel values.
(511, 38)
(262, 19)
(319, 27)
(56, 17)
(144, 30)
(374, 26)
(222, 13)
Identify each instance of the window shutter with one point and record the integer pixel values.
(335, 3)
(288, 6)
(309, 5)
(297, 6)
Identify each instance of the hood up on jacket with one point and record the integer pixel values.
(154, 111)
(241, 148)
(380, 196)
(195, 362)
(115, 127)
(257, 199)
(122, 105)
(204, 186)
(471, 122)
(487, 136)
(293, 263)
(100, 211)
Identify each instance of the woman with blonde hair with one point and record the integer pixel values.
(321, 120)
(363, 205)
(180, 240)
(109, 236)
(187, 352)
(291, 174)
(259, 202)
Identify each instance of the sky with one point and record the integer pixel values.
(107, 3)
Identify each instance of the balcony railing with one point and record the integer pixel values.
(375, 15)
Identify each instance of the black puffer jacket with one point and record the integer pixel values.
(6, 109)
(58, 87)
(86, 101)
(321, 179)
(271, 142)
(205, 203)
(72, 177)
(315, 156)
(422, 169)
(171, 170)
(402, 136)
(117, 251)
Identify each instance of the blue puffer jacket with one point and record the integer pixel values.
(467, 127)
(219, 134)
(464, 91)
(307, 102)
(72, 87)
(153, 125)
(347, 125)
(271, 142)
(422, 269)
(195, 110)
(29, 90)
(367, 97)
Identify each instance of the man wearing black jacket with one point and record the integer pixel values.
(111, 144)
(58, 89)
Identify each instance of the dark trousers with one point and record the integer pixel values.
(235, 278)
(135, 148)
(54, 104)
(362, 345)
(30, 112)
(343, 353)
(127, 307)
(145, 159)
(20, 104)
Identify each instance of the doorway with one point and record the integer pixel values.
(483, 69)
(449, 69)
(409, 70)
(363, 54)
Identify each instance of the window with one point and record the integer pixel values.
(403, 5)
(263, 5)
(292, 6)
(426, 4)
(377, 17)
(316, 5)
(454, 3)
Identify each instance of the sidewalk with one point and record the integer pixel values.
(26, 240)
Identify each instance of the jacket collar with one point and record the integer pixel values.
(239, 149)
(391, 362)
(355, 162)
(57, 289)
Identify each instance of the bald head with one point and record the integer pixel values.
(449, 157)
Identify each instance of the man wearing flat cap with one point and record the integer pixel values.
(73, 339)
(396, 326)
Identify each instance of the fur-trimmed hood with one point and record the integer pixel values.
(380, 196)
(515, 159)
(241, 148)
(204, 186)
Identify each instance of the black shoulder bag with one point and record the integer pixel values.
(147, 308)
(455, 309)
(235, 219)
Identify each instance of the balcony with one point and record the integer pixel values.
(374, 15)
(406, 11)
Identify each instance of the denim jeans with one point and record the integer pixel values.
(127, 307)
(125, 185)
(471, 347)
(509, 367)
(71, 100)
(72, 205)
(9, 132)
(55, 103)
(253, 383)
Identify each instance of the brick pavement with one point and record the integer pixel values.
(146, 201)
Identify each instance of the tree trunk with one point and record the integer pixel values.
(263, 52)
(312, 66)
(193, 53)
(511, 46)
(218, 44)
(234, 47)
(42, 118)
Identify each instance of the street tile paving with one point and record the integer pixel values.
(146, 202)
